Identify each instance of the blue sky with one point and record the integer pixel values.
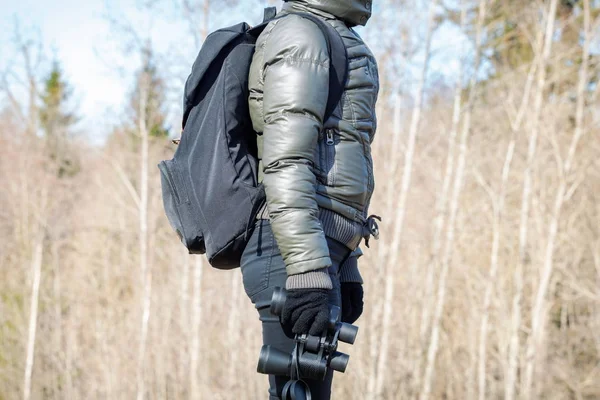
(70, 31)
(94, 56)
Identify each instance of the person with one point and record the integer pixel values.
(318, 175)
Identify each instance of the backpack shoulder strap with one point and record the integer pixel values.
(269, 13)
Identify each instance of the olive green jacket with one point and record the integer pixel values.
(318, 175)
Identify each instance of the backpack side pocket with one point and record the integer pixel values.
(177, 208)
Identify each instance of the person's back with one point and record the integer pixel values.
(318, 175)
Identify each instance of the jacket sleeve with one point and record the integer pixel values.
(296, 85)
(349, 269)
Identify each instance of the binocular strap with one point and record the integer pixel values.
(295, 388)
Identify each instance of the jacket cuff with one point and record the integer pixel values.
(301, 267)
(349, 271)
(317, 279)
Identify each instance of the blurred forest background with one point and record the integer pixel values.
(485, 283)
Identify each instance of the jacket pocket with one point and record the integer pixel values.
(327, 151)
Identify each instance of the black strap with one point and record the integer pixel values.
(269, 13)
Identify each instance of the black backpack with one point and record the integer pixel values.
(210, 188)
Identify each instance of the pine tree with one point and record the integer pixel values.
(54, 116)
(56, 120)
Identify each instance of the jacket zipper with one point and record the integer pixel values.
(330, 156)
(370, 182)
(370, 178)
(330, 141)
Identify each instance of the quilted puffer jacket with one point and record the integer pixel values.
(318, 175)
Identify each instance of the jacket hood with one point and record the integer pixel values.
(353, 12)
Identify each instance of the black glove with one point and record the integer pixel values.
(352, 301)
(306, 311)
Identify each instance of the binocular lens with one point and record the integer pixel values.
(348, 333)
(273, 362)
(339, 361)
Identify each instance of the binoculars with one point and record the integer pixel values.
(312, 355)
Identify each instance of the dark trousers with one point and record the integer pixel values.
(263, 270)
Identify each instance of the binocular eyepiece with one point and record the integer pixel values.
(312, 355)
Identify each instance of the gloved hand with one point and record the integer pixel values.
(352, 301)
(306, 311)
(351, 288)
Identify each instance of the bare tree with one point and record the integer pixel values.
(539, 311)
(21, 75)
(195, 11)
(442, 203)
(145, 271)
(527, 185)
(498, 201)
(378, 377)
(456, 190)
(195, 384)
(515, 325)
(187, 328)
(36, 276)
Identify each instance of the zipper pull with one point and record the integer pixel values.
(329, 141)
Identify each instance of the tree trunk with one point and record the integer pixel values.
(184, 319)
(233, 330)
(146, 273)
(378, 277)
(195, 335)
(196, 380)
(36, 271)
(498, 207)
(58, 322)
(539, 311)
(206, 15)
(400, 208)
(514, 346)
(457, 187)
(441, 210)
(527, 184)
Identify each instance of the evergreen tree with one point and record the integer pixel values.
(56, 120)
